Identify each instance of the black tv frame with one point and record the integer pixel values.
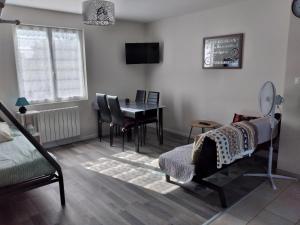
(146, 60)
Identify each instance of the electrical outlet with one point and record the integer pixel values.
(297, 80)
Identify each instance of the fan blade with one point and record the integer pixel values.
(267, 98)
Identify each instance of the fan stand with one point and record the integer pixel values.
(269, 173)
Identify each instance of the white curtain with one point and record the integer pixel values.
(68, 63)
(50, 64)
(33, 61)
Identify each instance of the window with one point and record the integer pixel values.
(50, 64)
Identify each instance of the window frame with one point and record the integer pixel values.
(83, 55)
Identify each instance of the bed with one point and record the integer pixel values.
(25, 164)
(178, 162)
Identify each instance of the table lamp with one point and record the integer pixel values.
(22, 102)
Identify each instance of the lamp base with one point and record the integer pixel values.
(22, 110)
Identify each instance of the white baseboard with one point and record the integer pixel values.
(286, 173)
(92, 136)
(69, 141)
(176, 132)
(172, 131)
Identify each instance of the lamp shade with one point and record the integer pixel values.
(22, 102)
(97, 12)
(2, 3)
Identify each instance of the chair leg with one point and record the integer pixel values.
(145, 133)
(141, 131)
(99, 125)
(129, 134)
(111, 135)
(116, 130)
(190, 135)
(157, 132)
(100, 130)
(123, 140)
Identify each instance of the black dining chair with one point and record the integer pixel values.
(104, 115)
(151, 115)
(140, 96)
(153, 97)
(118, 119)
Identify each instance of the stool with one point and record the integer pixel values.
(203, 124)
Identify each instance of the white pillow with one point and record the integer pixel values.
(5, 132)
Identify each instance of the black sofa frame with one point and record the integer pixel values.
(219, 189)
(37, 181)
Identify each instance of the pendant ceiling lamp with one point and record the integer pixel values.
(2, 5)
(96, 12)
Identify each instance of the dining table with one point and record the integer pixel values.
(136, 110)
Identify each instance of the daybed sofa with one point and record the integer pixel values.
(181, 163)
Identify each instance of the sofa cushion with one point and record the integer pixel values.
(240, 117)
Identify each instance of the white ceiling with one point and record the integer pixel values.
(136, 10)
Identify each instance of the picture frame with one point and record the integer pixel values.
(223, 52)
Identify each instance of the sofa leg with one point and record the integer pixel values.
(222, 198)
(214, 187)
(168, 178)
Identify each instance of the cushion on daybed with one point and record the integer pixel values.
(20, 161)
(264, 127)
(240, 118)
(178, 163)
(5, 132)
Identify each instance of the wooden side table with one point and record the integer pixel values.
(203, 124)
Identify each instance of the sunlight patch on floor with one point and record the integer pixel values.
(142, 177)
(138, 158)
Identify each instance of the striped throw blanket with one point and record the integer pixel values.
(232, 142)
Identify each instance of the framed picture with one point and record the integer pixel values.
(223, 52)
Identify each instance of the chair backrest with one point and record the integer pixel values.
(153, 97)
(140, 96)
(115, 109)
(105, 114)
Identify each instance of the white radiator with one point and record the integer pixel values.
(59, 124)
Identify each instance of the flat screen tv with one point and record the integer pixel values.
(142, 53)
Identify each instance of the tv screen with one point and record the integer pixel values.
(142, 53)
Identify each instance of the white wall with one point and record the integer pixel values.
(106, 68)
(188, 91)
(289, 155)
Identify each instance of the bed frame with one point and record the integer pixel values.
(37, 181)
(200, 179)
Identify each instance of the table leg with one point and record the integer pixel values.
(161, 128)
(129, 135)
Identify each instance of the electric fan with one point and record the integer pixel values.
(268, 102)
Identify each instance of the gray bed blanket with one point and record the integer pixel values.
(178, 163)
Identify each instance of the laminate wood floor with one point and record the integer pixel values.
(105, 186)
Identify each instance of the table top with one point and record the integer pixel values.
(134, 107)
(205, 124)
